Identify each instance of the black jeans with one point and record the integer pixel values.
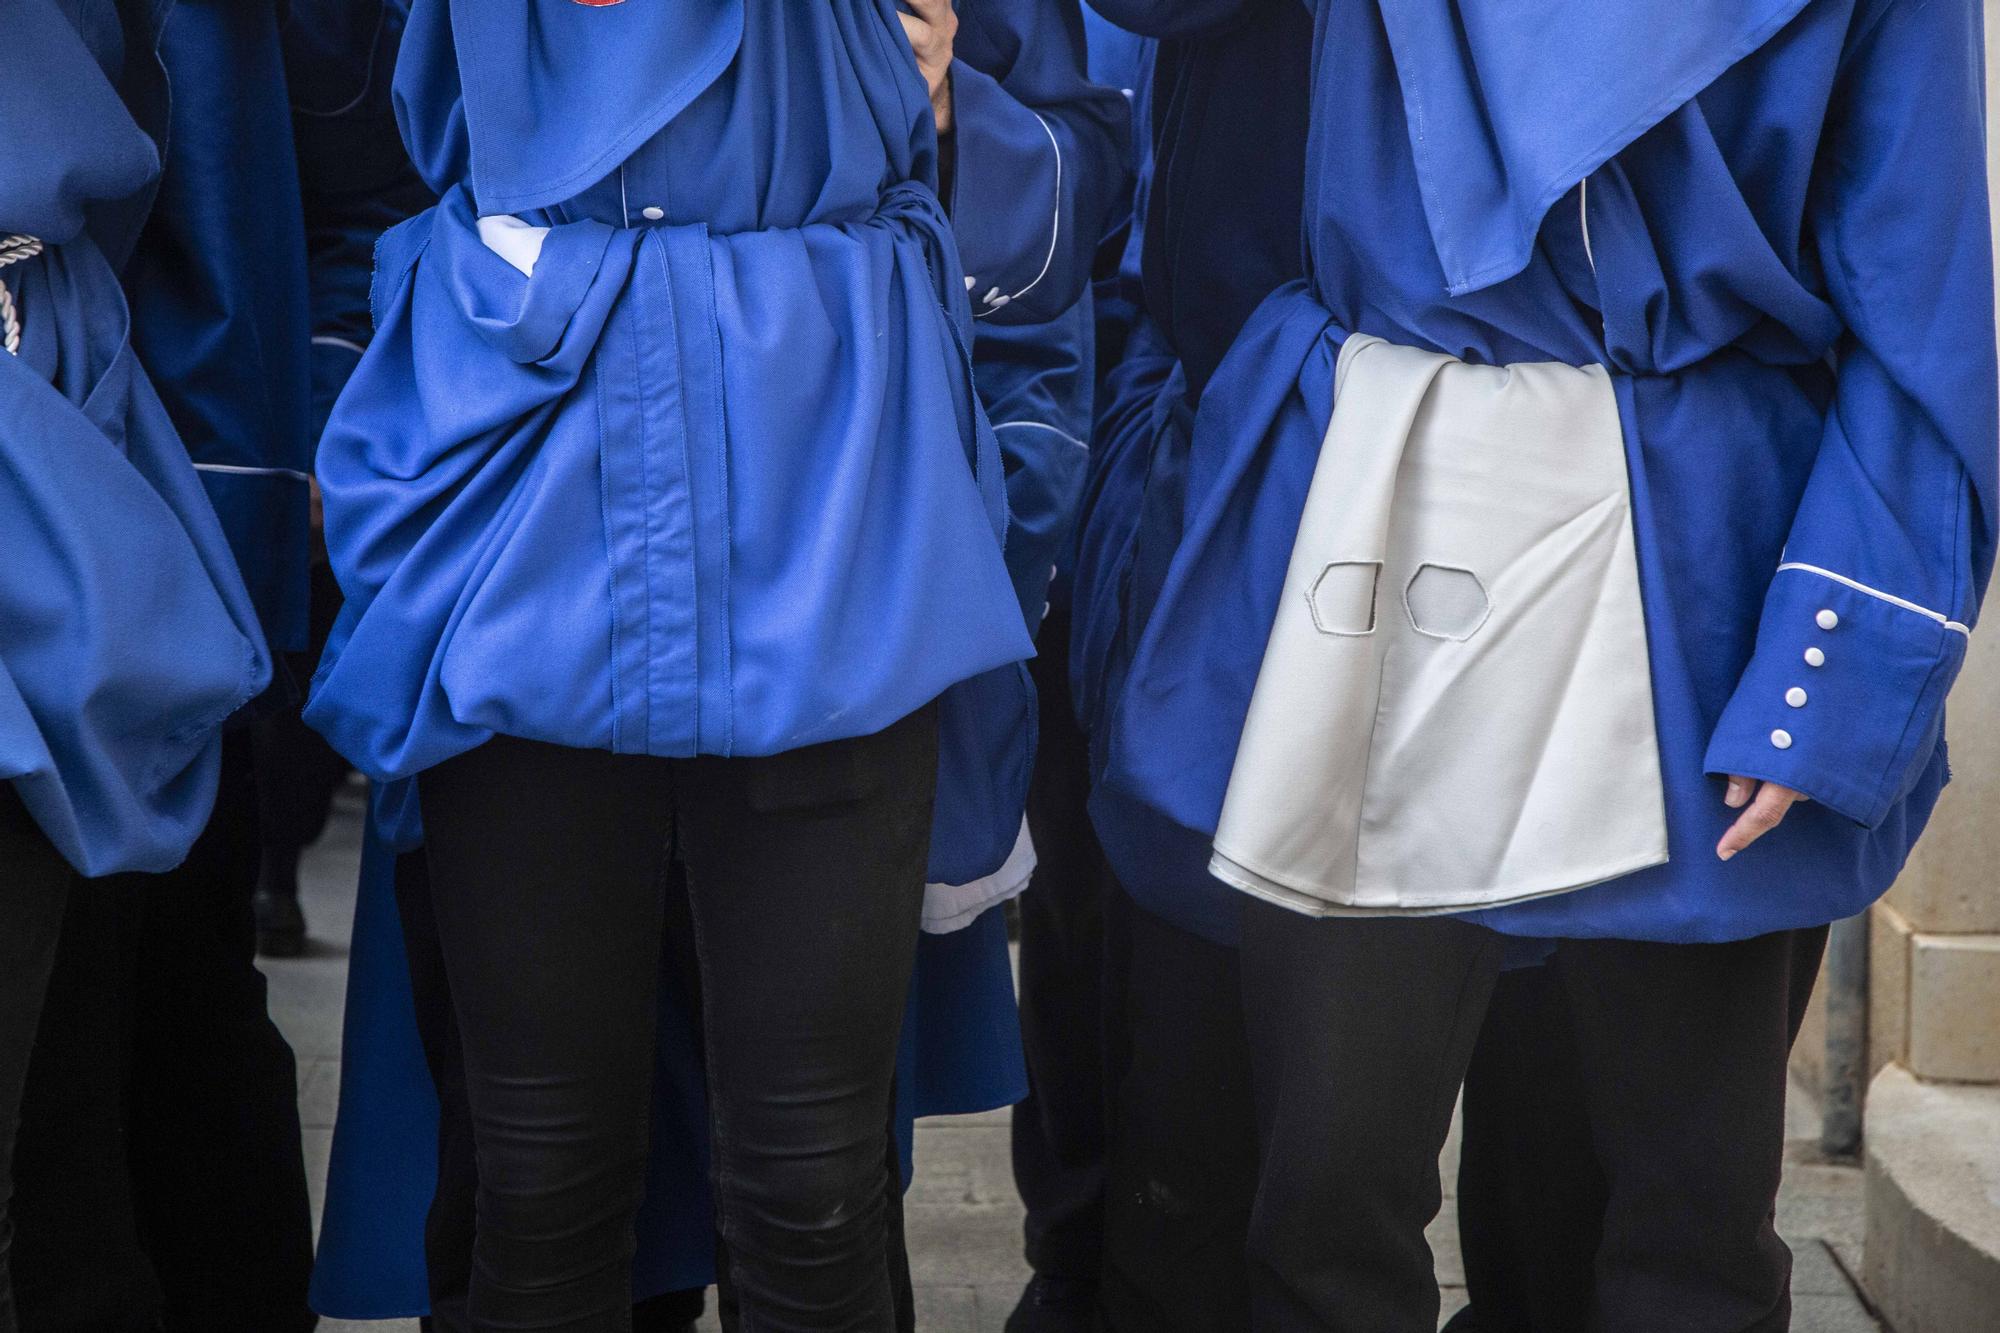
(793, 884)
(34, 882)
(451, 1226)
(1360, 1034)
(160, 1179)
(1059, 1131)
(1183, 1159)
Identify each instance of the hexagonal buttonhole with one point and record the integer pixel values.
(1343, 597)
(1447, 602)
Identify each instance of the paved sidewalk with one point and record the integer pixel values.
(964, 1217)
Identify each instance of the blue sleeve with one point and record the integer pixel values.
(218, 294)
(1041, 157)
(356, 179)
(1866, 621)
(1036, 383)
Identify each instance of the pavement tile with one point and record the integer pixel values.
(319, 1093)
(963, 1163)
(1832, 1314)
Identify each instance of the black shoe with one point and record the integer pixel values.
(281, 926)
(1055, 1305)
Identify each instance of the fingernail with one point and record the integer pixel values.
(1724, 853)
(1738, 793)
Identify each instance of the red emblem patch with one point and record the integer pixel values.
(598, 4)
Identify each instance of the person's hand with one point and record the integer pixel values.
(1764, 806)
(931, 30)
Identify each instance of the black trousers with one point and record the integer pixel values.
(1068, 1000)
(160, 1181)
(34, 884)
(1361, 1032)
(1183, 1156)
(451, 1226)
(1531, 1195)
(791, 886)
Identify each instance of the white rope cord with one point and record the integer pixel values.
(13, 249)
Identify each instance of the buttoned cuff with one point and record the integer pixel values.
(1844, 697)
(1007, 198)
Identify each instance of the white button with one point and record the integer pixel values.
(1782, 739)
(1814, 657)
(652, 213)
(1827, 620)
(1796, 697)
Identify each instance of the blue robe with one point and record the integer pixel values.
(1769, 222)
(718, 485)
(126, 634)
(960, 1051)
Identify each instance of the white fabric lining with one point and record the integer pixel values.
(950, 907)
(517, 242)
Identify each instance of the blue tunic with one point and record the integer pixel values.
(712, 479)
(1769, 222)
(126, 635)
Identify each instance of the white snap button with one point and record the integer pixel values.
(1782, 739)
(1796, 697)
(1827, 619)
(1814, 657)
(652, 213)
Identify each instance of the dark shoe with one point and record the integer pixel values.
(1055, 1305)
(281, 926)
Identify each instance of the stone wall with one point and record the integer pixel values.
(1932, 1260)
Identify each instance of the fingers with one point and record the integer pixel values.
(1767, 809)
(932, 30)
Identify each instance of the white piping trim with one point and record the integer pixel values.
(1583, 213)
(329, 340)
(1041, 425)
(236, 470)
(1055, 227)
(1879, 595)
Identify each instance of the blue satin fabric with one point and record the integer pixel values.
(1786, 267)
(126, 635)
